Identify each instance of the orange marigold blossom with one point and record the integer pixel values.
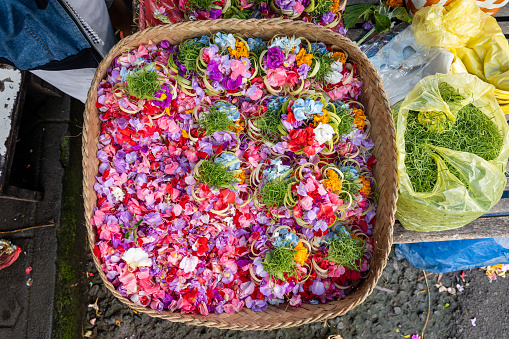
(366, 186)
(394, 3)
(302, 253)
(241, 176)
(303, 58)
(333, 181)
(324, 118)
(335, 6)
(359, 118)
(240, 50)
(339, 56)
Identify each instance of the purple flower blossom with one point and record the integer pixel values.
(275, 57)
(215, 13)
(285, 4)
(159, 94)
(213, 71)
(368, 26)
(229, 84)
(303, 71)
(327, 18)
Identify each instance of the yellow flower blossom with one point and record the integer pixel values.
(339, 56)
(324, 119)
(366, 186)
(241, 176)
(240, 50)
(333, 181)
(302, 253)
(359, 118)
(303, 58)
(185, 134)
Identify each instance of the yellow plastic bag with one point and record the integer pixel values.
(450, 26)
(475, 38)
(451, 204)
(485, 55)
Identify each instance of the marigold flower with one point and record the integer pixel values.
(335, 6)
(324, 119)
(394, 3)
(240, 50)
(333, 181)
(239, 126)
(303, 58)
(241, 176)
(359, 119)
(366, 186)
(339, 56)
(302, 253)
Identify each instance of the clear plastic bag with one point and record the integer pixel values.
(451, 204)
(405, 61)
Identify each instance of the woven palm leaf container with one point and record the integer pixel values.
(382, 133)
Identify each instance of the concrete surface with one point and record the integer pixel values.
(27, 311)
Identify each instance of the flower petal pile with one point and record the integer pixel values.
(233, 173)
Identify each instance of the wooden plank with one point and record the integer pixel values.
(11, 99)
(355, 34)
(503, 12)
(490, 227)
(504, 25)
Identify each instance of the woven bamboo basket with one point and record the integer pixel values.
(382, 133)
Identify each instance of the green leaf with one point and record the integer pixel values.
(446, 305)
(163, 18)
(401, 14)
(382, 23)
(353, 13)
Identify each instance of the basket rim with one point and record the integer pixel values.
(231, 321)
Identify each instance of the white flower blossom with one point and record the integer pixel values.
(323, 133)
(334, 75)
(117, 193)
(188, 264)
(136, 257)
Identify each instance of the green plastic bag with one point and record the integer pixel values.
(451, 204)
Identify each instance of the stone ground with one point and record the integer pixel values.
(399, 308)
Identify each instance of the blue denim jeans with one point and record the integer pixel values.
(31, 37)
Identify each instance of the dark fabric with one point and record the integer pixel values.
(87, 58)
(41, 4)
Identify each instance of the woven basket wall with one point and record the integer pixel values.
(382, 133)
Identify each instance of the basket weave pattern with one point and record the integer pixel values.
(382, 133)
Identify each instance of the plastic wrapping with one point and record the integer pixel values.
(451, 204)
(405, 61)
(449, 256)
(450, 26)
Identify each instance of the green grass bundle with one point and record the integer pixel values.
(280, 260)
(347, 251)
(215, 120)
(216, 175)
(273, 193)
(473, 132)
